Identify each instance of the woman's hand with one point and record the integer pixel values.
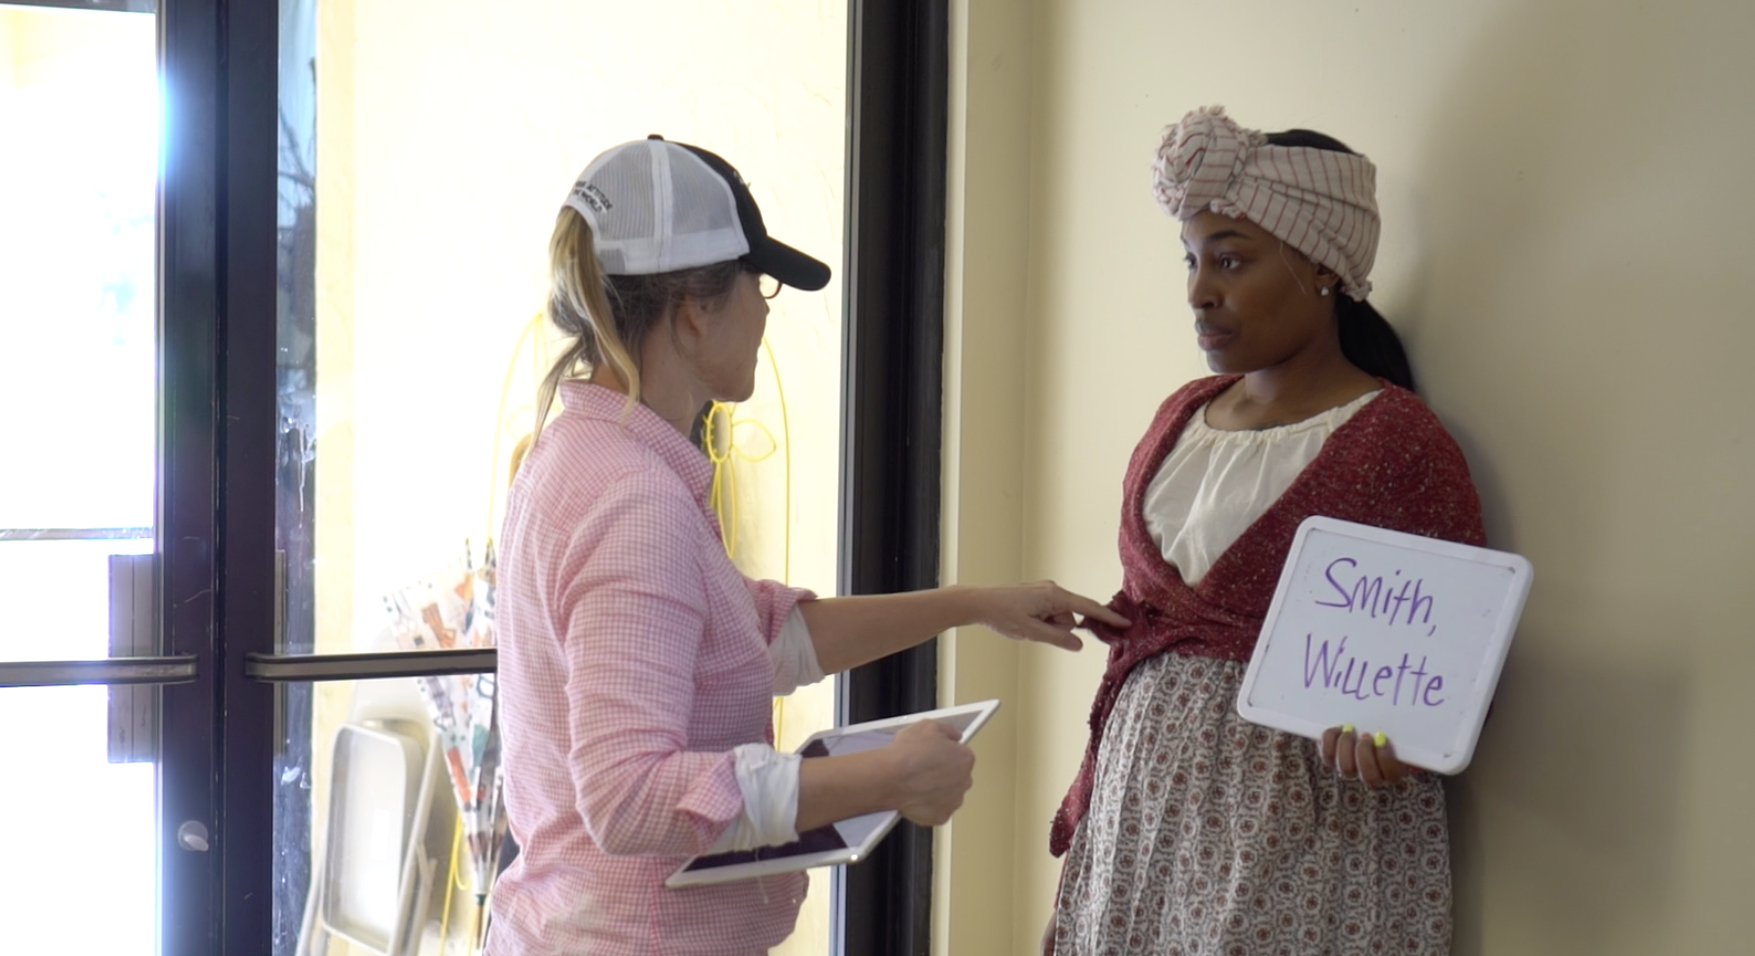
(850, 631)
(933, 771)
(1042, 611)
(1369, 757)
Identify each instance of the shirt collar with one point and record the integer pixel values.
(602, 404)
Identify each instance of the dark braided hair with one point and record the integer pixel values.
(1367, 339)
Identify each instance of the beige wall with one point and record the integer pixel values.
(1568, 223)
(988, 232)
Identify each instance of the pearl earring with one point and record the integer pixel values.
(1324, 291)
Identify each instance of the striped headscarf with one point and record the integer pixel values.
(1321, 202)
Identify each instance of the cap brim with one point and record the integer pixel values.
(787, 264)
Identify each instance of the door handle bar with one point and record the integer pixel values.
(179, 669)
(285, 668)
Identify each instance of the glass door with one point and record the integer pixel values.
(423, 151)
(86, 662)
(78, 356)
(269, 285)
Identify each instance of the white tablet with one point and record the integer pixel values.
(848, 841)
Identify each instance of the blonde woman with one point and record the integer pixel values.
(636, 662)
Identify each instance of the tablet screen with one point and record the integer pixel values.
(819, 840)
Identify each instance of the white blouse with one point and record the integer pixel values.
(1214, 484)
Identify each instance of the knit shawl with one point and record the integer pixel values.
(1391, 465)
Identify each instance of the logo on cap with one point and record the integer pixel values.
(589, 194)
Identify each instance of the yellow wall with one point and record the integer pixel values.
(1567, 224)
(444, 150)
(39, 45)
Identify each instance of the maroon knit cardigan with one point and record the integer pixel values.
(1391, 465)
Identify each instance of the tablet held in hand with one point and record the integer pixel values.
(847, 841)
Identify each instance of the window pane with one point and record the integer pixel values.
(79, 124)
(79, 115)
(82, 830)
(425, 151)
(60, 603)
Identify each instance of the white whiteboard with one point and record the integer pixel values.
(1388, 632)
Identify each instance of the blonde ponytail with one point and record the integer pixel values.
(579, 306)
(607, 317)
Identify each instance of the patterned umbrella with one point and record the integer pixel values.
(455, 608)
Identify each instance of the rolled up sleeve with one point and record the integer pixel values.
(774, 604)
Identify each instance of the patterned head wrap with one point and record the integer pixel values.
(1321, 202)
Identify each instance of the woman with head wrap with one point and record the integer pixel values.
(1189, 830)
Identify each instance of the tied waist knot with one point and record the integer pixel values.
(1145, 617)
(1177, 620)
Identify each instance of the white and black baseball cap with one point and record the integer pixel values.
(657, 206)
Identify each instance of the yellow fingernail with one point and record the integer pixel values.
(1346, 728)
(1380, 739)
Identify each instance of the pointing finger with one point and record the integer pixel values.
(1049, 634)
(1089, 608)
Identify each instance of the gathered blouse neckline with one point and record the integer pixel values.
(1216, 483)
(1328, 420)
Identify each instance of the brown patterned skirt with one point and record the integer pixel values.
(1211, 836)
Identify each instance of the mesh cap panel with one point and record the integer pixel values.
(655, 207)
(703, 203)
(625, 180)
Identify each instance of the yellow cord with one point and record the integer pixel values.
(786, 432)
(534, 326)
(786, 548)
(722, 496)
(532, 329)
(723, 450)
(450, 881)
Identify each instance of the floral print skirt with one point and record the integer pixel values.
(1211, 836)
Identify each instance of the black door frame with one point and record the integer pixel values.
(898, 101)
(190, 263)
(218, 432)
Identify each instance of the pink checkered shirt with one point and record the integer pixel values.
(633, 658)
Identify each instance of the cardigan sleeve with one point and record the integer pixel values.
(1428, 490)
